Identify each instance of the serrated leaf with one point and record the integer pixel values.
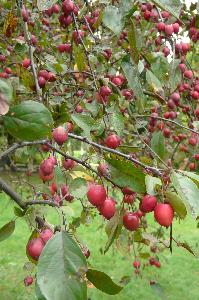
(6, 90)
(103, 282)
(172, 6)
(188, 191)
(113, 19)
(153, 81)
(113, 229)
(186, 246)
(78, 188)
(85, 122)
(123, 173)
(45, 4)
(80, 58)
(158, 143)
(151, 183)
(132, 75)
(193, 176)
(61, 269)
(177, 204)
(117, 122)
(7, 230)
(29, 120)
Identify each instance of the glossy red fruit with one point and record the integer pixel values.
(53, 188)
(152, 261)
(196, 156)
(148, 203)
(166, 132)
(160, 26)
(96, 194)
(192, 166)
(65, 193)
(131, 221)
(68, 6)
(192, 141)
(46, 235)
(60, 135)
(35, 247)
(136, 264)
(47, 167)
(26, 63)
(176, 27)
(157, 264)
(113, 141)
(42, 82)
(188, 74)
(68, 164)
(107, 209)
(45, 177)
(24, 14)
(28, 280)
(129, 198)
(164, 214)
(169, 30)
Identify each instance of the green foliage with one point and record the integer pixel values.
(29, 120)
(7, 230)
(103, 282)
(78, 188)
(124, 174)
(61, 269)
(158, 143)
(188, 191)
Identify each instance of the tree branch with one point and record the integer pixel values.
(168, 120)
(9, 191)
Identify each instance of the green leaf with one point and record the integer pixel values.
(103, 282)
(158, 143)
(20, 48)
(19, 212)
(132, 75)
(85, 122)
(117, 122)
(113, 229)
(177, 204)
(45, 4)
(186, 246)
(7, 230)
(160, 73)
(38, 292)
(172, 6)
(80, 58)
(29, 120)
(188, 191)
(78, 188)
(61, 269)
(193, 176)
(113, 19)
(132, 37)
(175, 75)
(151, 183)
(153, 81)
(123, 173)
(7, 90)
(59, 176)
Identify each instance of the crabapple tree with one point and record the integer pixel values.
(99, 101)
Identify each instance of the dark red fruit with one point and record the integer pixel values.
(35, 247)
(129, 198)
(28, 280)
(47, 167)
(60, 135)
(68, 164)
(113, 141)
(136, 264)
(96, 194)
(164, 214)
(46, 235)
(131, 221)
(148, 203)
(107, 209)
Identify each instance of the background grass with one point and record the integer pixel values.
(178, 278)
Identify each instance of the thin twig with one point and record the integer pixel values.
(85, 49)
(167, 120)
